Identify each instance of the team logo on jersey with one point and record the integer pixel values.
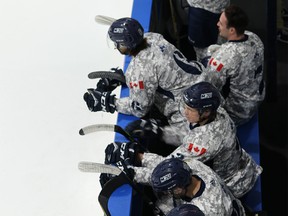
(217, 65)
(136, 85)
(136, 105)
(197, 150)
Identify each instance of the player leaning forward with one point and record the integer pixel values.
(211, 139)
(176, 181)
(158, 73)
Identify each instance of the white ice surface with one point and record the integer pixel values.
(47, 48)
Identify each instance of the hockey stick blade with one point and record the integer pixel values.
(105, 127)
(107, 74)
(92, 167)
(96, 128)
(104, 20)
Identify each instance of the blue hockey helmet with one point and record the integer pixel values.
(202, 95)
(126, 31)
(186, 210)
(169, 174)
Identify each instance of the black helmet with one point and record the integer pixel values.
(169, 174)
(186, 210)
(202, 95)
(126, 31)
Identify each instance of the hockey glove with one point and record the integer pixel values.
(99, 101)
(105, 177)
(107, 84)
(128, 152)
(146, 131)
(123, 155)
(126, 167)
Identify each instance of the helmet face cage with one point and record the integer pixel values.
(186, 210)
(202, 95)
(169, 174)
(126, 32)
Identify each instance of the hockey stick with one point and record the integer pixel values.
(104, 20)
(92, 167)
(107, 74)
(105, 127)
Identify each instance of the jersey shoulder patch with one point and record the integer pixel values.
(216, 64)
(136, 85)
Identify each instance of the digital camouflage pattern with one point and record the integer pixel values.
(241, 64)
(216, 199)
(216, 144)
(202, 24)
(158, 74)
(216, 6)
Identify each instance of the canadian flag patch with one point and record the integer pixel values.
(217, 65)
(136, 85)
(198, 150)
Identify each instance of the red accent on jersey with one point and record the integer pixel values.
(137, 85)
(210, 61)
(141, 85)
(216, 64)
(196, 149)
(220, 66)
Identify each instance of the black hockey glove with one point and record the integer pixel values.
(105, 177)
(146, 131)
(107, 84)
(123, 155)
(128, 152)
(126, 167)
(99, 101)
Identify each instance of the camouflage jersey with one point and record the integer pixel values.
(216, 145)
(158, 75)
(236, 69)
(213, 197)
(214, 6)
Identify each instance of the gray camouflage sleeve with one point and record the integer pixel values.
(142, 83)
(149, 162)
(142, 175)
(171, 137)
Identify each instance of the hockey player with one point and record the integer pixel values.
(190, 181)
(186, 210)
(202, 28)
(176, 182)
(236, 67)
(211, 138)
(157, 74)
